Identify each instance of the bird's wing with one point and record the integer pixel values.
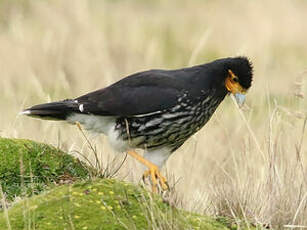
(141, 93)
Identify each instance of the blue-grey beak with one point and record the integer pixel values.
(240, 98)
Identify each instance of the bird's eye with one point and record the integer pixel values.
(235, 79)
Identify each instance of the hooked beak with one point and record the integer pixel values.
(240, 98)
(235, 88)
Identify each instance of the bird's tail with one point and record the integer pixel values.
(52, 111)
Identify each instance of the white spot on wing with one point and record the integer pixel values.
(81, 108)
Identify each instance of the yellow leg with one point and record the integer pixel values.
(153, 172)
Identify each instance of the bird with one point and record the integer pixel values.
(155, 110)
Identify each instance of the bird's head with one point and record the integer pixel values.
(238, 75)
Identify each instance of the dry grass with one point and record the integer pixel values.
(253, 170)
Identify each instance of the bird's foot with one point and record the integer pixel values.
(154, 173)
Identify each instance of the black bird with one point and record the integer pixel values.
(155, 110)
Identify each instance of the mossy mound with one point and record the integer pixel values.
(101, 204)
(27, 167)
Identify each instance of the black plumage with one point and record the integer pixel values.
(156, 109)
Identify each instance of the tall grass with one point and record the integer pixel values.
(248, 165)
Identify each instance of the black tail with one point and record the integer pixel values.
(52, 111)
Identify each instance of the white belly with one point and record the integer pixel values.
(101, 124)
(106, 125)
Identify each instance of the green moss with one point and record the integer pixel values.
(102, 204)
(27, 167)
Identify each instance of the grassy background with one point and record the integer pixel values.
(50, 50)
